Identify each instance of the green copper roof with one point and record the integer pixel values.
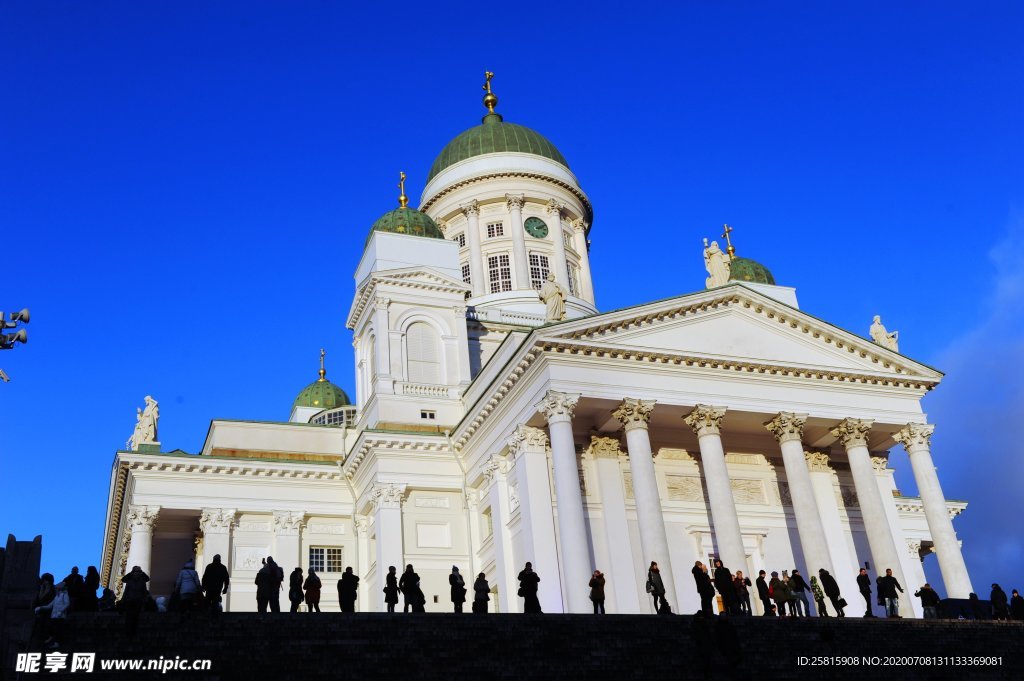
(322, 394)
(405, 220)
(494, 136)
(744, 269)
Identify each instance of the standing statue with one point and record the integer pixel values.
(145, 424)
(717, 263)
(553, 297)
(881, 336)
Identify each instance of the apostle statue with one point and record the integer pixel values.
(553, 297)
(145, 424)
(881, 336)
(717, 263)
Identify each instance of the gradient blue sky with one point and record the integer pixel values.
(185, 189)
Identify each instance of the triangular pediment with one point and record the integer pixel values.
(742, 326)
(423, 278)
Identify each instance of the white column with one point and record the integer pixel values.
(558, 408)
(916, 439)
(620, 573)
(520, 263)
(387, 511)
(554, 209)
(140, 520)
(287, 540)
(634, 416)
(216, 525)
(477, 271)
(579, 228)
(533, 494)
(382, 347)
(472, 497)
(496, 476)
(886, 487)
(853, 435)
(362, 524)
(788, 428)
(706, 422)
(823, 482)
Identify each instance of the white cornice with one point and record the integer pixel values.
(914, 505)
(369, 441)
(412, 278)
(260, 468)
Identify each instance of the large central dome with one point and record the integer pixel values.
(494, 136)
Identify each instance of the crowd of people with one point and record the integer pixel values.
(781, 595)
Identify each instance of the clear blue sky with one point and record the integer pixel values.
(185, 189)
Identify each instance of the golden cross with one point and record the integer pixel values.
(487, 80)
(403, 200)
(323, 372)
(725, 235)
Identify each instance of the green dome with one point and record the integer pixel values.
(322, 394)
(494, 136)
(406, 220)
(744, 269)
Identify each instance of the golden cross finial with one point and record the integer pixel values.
(323, 372)
(403, 200)
(487, 80)
(728, 241)
(490, 99)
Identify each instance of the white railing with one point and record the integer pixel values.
(423, 390)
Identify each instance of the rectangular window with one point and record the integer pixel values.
(428, 415)
(538, 270)
(461, 239)
(574, 281)
(567, 240)
(465, 274)
(500, 273)
(325, 558)
(495, 229)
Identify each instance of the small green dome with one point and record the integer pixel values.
(744, 269)
(494, 136)
(321, 394)
(404, 220)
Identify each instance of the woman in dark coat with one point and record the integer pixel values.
(828, 584)
(295, 589)
(528, 585)
(656, 587)
(597, 592)
(347, 587)
(1000, 611)
(458, 585)
(391, 589)
(705, 589)
(312, 586)
(409, 585)
(725, 586)
(88, 601)
(481, 594)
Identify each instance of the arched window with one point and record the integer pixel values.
(423, 349)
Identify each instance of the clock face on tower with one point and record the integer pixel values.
(535, 227)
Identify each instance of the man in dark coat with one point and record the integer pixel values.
(725, 586)
(1000, 605)
(134, 598)
(458, 588)
(800, 588)
(409, 586)
(762, 593)
(705, 589)
(929, 601)
(887, 587)
(831, 588)
(864, 584)
(348, 586)
(1016, 605)
(75, 584)
(528, 581)
(268, 586)
(215, 583)
(481, 594)
(597, 591)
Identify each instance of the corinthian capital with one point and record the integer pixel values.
(915, 436)
(852, 432)
(527, 438)
(558, 406)
(578, 225)
(387, 496)
(471, 208)
(880, 464)
(705, 419)
(604, 447)
(633, 413)
(288, 523)
(817, 462)
(514, 201)
(141, 518)
(216, 520)
(554, 207)
(787, 426)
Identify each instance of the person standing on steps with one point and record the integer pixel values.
(742, 585)
(929, 601)
(134, 598)
(1016, 605)
(831, 588)
(481, 594)
(705, 589)
(391, 589)
(75, 586)
(887, 587)
(864, 584)
(215, 583)
(57, 609)
(1000, 605)
(656, 587)
(409, 585)
(763, 594)
(725, 587)
(188, 588)
(779, 590)
(819, 597)
(89, 601)
(799, 588)
(348, 586)
(295, 589)
(312, 585)
(458, 587)
(528, 581)
(597, 591)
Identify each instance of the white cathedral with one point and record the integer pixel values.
(501, 418)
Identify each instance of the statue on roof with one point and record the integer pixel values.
(717, 263)
(145, 425)
(882, 336)
(553, 297)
